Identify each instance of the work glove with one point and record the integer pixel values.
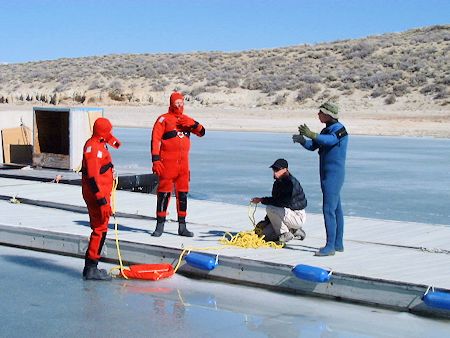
(158, 168)
(298, 139)
(106, 212)
(185, 122)
(305, 131)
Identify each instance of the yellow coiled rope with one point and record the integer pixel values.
(249, 239)
(252, 239)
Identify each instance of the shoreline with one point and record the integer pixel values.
(372, 121)
(291, 132)
(436, 125)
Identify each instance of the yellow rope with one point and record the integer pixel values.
(113, 195)
(251, 213)
(78, 169)
(189, 249)
(179, 260)
(243, 239)
(116, 230)
(14, 200)
(248, 239)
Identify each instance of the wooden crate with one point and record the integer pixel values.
(17, 147)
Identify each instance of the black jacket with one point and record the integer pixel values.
(287, 192)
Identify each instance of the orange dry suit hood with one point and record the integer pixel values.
(102, 129)
(174, 109)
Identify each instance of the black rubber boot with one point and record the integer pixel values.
(182, 230)
(93, 273)
(159, 227)
(88, 263)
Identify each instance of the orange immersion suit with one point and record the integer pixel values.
(170, 156)
(97, 182)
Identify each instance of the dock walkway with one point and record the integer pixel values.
(385, 263)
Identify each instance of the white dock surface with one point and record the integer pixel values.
(404, 252)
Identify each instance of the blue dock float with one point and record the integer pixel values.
(202, 261)
(311, 273)
(437, 299)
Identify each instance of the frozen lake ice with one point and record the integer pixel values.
(43, 295)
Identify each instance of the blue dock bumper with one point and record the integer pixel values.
(437, 299)
(311, 273)
(201, 261)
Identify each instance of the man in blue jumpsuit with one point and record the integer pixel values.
(332, 144)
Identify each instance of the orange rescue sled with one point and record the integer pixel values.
(148, 271)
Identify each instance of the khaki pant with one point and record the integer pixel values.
(283, 219)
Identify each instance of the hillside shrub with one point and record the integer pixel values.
(307, 92)
(390, 99)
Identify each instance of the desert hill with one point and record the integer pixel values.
(411, 69)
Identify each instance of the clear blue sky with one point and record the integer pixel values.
(49, 29)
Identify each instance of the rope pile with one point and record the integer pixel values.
(253, 239)
(248, 239)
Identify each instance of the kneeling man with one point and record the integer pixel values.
(286, 207)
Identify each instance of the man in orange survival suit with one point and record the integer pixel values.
(96, 183)
(170, 157)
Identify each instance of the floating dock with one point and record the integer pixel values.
(386, 263)
(131, 181)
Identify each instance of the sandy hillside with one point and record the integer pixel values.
(360, 116)
(390, 84)
(359, 120)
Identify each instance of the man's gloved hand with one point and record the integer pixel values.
(106, 211)
(158, 168)
(185, 122)
(298, 139)
(304, 130)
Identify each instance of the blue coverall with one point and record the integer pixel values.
(332, 145)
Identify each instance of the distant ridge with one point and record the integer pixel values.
(385, 67)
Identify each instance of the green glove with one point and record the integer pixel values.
(305, 131)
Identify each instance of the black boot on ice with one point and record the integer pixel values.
(159, 227)
(182, 230)
(93, 273)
